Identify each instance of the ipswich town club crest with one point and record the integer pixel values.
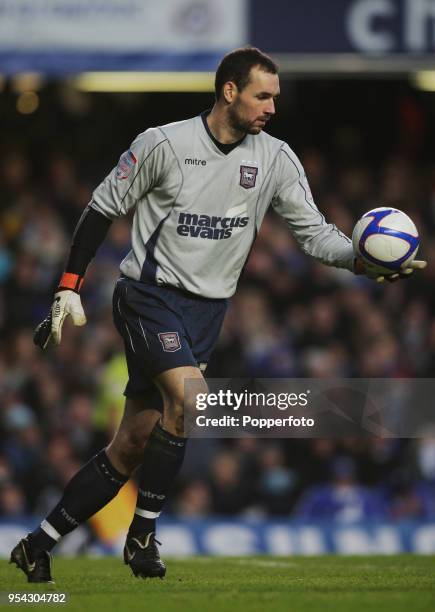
(170, 341)
(248, 176)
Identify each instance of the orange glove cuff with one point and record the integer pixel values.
(71, 281)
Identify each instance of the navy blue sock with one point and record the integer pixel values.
(163, 458)
(94, 485)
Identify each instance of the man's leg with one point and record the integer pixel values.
(94, 485)
(162, 460)
(126, 450)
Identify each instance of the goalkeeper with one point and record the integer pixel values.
(200, 189)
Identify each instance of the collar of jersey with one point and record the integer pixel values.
(223, 148)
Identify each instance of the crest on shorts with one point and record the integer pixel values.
(248, 176)
(126, 163)
(170, 341)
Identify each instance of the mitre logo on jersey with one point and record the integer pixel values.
(248, 176)
(170, 341)
(210, 228)
(126, 163)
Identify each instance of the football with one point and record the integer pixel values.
(386, 239)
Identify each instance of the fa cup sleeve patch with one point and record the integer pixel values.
(126, 163)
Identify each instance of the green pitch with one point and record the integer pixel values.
(339, 584)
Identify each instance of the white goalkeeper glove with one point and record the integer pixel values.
(417, 264)
(66, 302)
(372, 272)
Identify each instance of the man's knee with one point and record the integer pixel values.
(177, 409)
(178, 397)
(173, 416)
(127, 448)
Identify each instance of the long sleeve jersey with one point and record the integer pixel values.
(198, 210)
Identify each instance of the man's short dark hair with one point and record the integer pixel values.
(236, 66)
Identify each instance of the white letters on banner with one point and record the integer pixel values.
(213, 537)
(370, 25)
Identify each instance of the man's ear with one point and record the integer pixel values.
(229, 91)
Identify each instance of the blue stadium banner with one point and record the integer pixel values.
(373, 27)
(238, 537)
(67, 36)
(59, 37)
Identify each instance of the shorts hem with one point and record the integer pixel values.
(156, 372)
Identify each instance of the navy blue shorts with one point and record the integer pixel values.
(163, 328)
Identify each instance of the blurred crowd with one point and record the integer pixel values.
(291, 317)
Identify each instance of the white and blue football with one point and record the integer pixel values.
(386, 239)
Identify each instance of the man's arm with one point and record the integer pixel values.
(138, 170)
(294, 202)
(90, 232)
(323, 241)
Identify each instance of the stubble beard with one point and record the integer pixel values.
(240, 125)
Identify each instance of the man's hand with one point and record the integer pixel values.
(362, 267)
(66, 302)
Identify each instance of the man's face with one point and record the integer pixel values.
(251, 108)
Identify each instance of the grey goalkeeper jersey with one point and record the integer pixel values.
(198, 210)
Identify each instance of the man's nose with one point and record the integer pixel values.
(270, 108)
